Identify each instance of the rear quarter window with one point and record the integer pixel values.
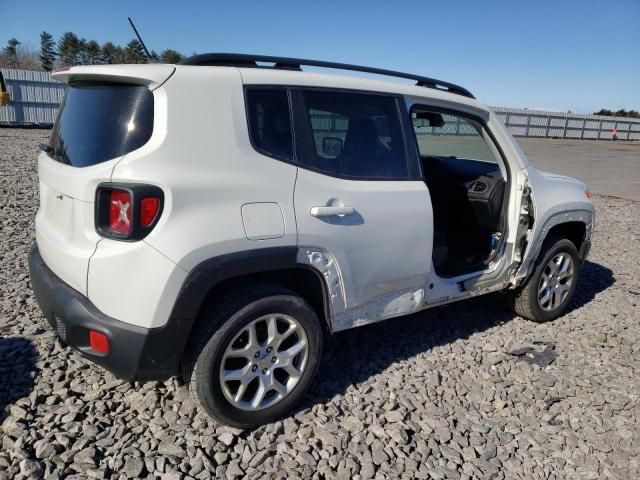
(270, 122)
(101, 121)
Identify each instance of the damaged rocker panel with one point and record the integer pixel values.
(390, 305)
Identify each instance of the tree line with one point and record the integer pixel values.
(72, 50)
(619, 113)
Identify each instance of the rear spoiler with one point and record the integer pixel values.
(150, 75)
(5, 98)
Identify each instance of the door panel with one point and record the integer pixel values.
(357, 198)
(383, 246)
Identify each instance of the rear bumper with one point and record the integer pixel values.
(135, 353)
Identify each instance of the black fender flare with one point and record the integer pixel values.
(209, 273)
(578, 215)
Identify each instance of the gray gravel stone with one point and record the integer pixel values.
(327, 438)
(133, 467)
(17, 412)
(433, 395)
(44, 449)
(31, 469)
(168, 447)
(226, 438)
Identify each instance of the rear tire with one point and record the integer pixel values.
(254, 356)
(550, 288)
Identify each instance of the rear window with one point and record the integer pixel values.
(99, 122)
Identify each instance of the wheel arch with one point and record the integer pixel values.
(213, 277)
(574, 225)
(575, 231)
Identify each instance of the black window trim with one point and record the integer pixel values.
(252, 139)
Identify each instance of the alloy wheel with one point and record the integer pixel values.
(555, 281)
(264, 362)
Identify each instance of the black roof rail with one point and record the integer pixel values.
(286, 63)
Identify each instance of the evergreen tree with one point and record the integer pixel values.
(170, 56)
(47, 51)
(110, 53)
(620, 113)
(69, 49)
(82, 52)
(11, 51)
(93, 53)
(134, 52)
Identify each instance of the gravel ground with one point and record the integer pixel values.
(434, 395)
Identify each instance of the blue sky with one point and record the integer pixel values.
(564, 55)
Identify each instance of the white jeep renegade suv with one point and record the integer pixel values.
(212, 219)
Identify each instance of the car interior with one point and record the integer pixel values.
(467, 189)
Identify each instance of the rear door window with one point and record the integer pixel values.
(352, 135)
(101, 121)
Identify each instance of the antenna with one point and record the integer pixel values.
(139, 38)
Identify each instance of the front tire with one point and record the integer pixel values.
(255, 356)
(545, 296)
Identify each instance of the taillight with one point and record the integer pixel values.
(120, 212)
(127, 211)
(148, 210)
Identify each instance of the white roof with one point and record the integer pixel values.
(155, 74)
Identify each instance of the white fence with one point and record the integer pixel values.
(35, 98)
(523, 122)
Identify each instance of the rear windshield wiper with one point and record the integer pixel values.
(56, 154)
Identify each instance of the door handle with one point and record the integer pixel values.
(331, 211)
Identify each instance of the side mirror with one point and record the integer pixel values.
(332, 146)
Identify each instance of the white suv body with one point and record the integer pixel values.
(260, 176)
